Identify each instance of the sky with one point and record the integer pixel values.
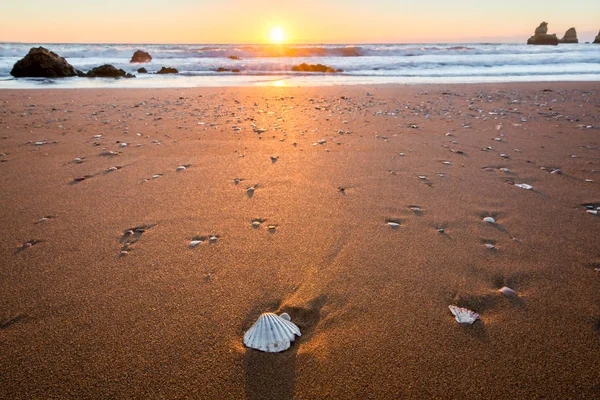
(304, 21)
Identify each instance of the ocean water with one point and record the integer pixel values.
(361, 64)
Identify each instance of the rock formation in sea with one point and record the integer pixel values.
(142, 71)
(108, 71)
(42, 63)
(314, 68)
(140, 57)
(570, 36)
(168, 70)
(541, 36)
(597, 40)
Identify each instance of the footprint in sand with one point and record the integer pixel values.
(131, 236)
(26, 245)
(201, 239)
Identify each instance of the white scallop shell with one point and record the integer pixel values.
(463, 316)
(490, 220)
(271, 333)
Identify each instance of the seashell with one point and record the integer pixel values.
(393, 224)
(195, 243)
(505, 170)
(556, 172)
(123, 144)
(489, 220)
(422, 177)
(508, 292)
(180, 168)
(124, 253)
(213, 238)
(490, 246)
(593, 212)
(463, 316)
(271, 333)
(504, 155)
(250, 190)
(524, 186)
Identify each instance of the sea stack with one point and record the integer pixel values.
(570, 36)
(541, 36)
(140, 57)
(597, 40)
(42, 63)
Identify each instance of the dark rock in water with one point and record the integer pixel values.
(168, 70)
(42, 63)
(140, 57)
(80, 74)
(551, 40)
(541, 36)
(235, 70)
(570, 36)
(221, 69)
(314, 68)
(597, 40)
(234, 58)
(108, 71)
(142, 71)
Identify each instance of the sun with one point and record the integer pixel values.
(277, 35)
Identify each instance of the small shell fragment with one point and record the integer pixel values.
(195, 243)
(508, 292)
(463, 316)
(393, 224)
(489, 220)
(180, 168)
(524, 186)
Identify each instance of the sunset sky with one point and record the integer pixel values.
(306, 21)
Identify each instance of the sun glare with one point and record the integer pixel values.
(277, 35)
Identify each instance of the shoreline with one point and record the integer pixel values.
(281, 83)
(331, 166)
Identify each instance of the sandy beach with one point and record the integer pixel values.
(91, 311)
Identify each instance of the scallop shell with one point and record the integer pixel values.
(463, 316)
(271, 333)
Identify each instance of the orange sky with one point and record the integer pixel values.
(308, 21)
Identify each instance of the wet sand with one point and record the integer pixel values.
(91, 311)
